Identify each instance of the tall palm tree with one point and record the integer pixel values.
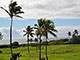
(29, 32)
(48, 27)
(39, 33)
(69, 34)
(13, 11)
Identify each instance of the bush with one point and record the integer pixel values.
(23, 45)
(15, 44)
(5, 46)
(75, 40)
(0, 51)
(32, 44)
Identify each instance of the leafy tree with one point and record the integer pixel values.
(13, 11)
(48, 27)
(1, 36)
(15, 44)
(39, 33)
(28, 32)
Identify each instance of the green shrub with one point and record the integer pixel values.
(15, 44)
(75, 40)
(0, 51)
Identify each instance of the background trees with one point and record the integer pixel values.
(75, 37)
(1, 36)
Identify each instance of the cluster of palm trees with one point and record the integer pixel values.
(42, 29)
(75, 33)
(74, 37)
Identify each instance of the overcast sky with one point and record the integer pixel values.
(33, 9)
(64, 13)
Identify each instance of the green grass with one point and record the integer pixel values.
(55, 52)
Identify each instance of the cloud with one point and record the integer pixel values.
(68, 9)
(18, 33)
(6, 33)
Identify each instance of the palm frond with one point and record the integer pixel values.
(52, 33)
(11, 1)
(31, 34)
(5, 10)
(35, 25)
(17, 16)
(54, 30)
(24, 31)
(24, 34)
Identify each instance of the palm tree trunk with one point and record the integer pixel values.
(11, 35)
(40, 49)
(36, 47)
(46, 49)
(28, 43)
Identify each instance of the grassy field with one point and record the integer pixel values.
(55, 52)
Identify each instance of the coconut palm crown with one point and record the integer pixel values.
(14, 10)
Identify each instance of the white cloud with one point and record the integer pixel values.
(18, 33)
(6, 32)
(68, 9)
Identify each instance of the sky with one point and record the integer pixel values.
(64, 13)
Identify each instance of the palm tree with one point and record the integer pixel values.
(1, 36)
(69, 34)
(13, 11)
(36, 40)
(75, 32)
(29, 32)
(48, 27)
(30, 40)
(39, 33)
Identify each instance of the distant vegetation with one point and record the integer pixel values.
(75, 38)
